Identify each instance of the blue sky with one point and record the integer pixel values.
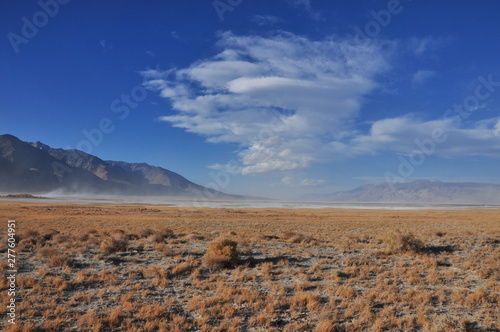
(270, 98)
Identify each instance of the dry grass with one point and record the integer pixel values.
(153, 268)
(398, 242)
(221, 253)
(116, 241)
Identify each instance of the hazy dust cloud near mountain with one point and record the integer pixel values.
(420, 191)
(36, 167)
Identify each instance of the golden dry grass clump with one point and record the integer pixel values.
(398, 241)
(221, 253)
(293, 237)
(114, 242)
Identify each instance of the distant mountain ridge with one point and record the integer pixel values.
(419, 191)
(36, 167)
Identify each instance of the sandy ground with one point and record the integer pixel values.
(105, 267)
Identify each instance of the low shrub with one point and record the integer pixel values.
(53, 257)
(114, 243)
(221, 253)
(293, 237)
(160, 235)
(397, 241)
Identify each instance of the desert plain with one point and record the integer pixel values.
(140, 267)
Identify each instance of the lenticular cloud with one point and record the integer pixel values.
(283, 99)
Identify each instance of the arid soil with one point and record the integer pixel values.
(104, 267)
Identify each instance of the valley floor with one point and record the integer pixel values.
(126, 267)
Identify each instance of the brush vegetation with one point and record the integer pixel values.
(221, 253)
(106, 267)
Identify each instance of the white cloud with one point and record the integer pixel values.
(265, 20)
(407, 135)
(106, 45)
(422, 46)
(278, 97)
(422, 76)
(288, 102)
(306, 6)
(174, 35)
(496, 129)
(295, 181)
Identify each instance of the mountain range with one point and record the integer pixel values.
(418, 191)
(38, 168)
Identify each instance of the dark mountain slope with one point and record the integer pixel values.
(36, 167)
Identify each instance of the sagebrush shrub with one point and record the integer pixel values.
(114, 243)
(398, 241)
(221, 253)
(293, 237)
(53, 257)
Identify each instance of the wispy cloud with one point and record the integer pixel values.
(265, 20)
(424, 45)
(422, 76)
(305, 5)
(281, 98)
(496, 129)
(300, 182)
(288, 101)
(175, 35)
(407, 135)
(106, 45)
